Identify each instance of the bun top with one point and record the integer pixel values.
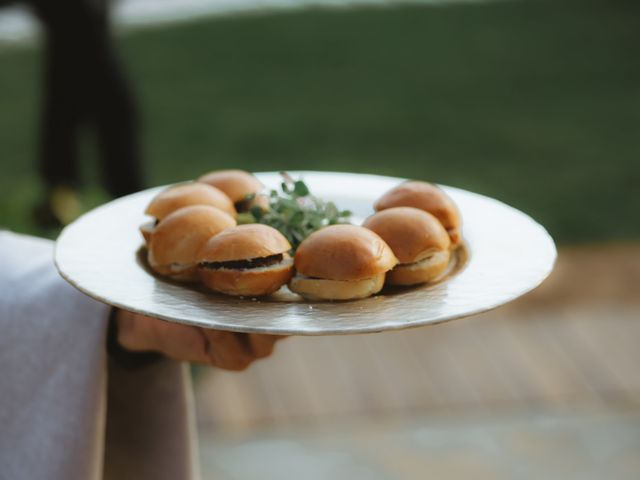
(425, 196)
(179, 237)
(344, 252)
(236, 184)
(244, 242)
(412, 234)
(175, 197)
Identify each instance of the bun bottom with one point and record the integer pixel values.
(319, 289)
(181, 273)
(255, 282)
(420, 272)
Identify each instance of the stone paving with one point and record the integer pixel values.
(588, 445)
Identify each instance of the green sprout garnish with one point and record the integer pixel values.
(295, 212)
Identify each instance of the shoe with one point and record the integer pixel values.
(60, 208)
(65, 204)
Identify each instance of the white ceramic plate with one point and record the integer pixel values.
(506, 254)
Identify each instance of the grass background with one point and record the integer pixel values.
(536, 103)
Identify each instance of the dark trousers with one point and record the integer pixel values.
(84, 87)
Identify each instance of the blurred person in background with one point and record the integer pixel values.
(89, 392)
(84, 86)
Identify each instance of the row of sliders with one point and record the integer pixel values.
(407, 242)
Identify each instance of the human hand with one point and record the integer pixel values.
(226, 350)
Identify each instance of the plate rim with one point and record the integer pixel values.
(360, 330)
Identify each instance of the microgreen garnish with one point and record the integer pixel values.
(295, 212)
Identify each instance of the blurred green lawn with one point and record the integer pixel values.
(536, 103)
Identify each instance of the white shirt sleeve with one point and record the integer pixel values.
(54, 420)
(52, 368)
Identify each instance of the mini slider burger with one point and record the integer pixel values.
(417, 239)
(248, 260)
(341, 262)
(241, 187)
(428, 197)
(176, 240)
(184, 195)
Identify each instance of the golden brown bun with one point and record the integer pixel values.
(424, 271)
(175, 242)
(455, 235)
(187, 194)
(317, 289)
(237, 184)
(254, 282)
(244, 242)
(412, 234)
(180, 273)
(344, 252)
(428, 197)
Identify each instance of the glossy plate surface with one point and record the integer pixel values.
(506, 254)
